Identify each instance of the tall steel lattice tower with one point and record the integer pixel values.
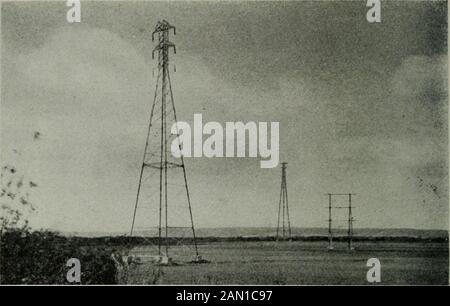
(158, 160)
(283, 208)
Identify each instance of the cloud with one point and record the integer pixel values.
(88, 92)
(419, 95)
(421, 77)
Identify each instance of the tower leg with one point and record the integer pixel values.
(330, 234)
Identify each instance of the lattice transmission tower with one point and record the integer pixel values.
(283, 208)
(158, 162)
(349, 220)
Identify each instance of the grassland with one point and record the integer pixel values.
(298, 262)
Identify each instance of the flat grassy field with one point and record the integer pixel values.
(298, 263)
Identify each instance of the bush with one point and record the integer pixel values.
(40, 257)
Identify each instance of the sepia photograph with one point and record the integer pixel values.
(224, 143)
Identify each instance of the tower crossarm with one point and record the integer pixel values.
(163, 26)
(166, 45)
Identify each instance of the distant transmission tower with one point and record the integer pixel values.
(283, 208)
(157, 159)
(349, 220)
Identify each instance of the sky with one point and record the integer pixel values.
(362, 108)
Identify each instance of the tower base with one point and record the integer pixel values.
(165, 261)
(199, 260)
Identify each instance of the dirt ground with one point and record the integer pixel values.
(301, 263)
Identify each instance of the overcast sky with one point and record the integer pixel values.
(362, 108)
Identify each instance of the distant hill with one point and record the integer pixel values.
(267, 232)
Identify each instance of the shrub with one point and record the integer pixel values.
(40, 257)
